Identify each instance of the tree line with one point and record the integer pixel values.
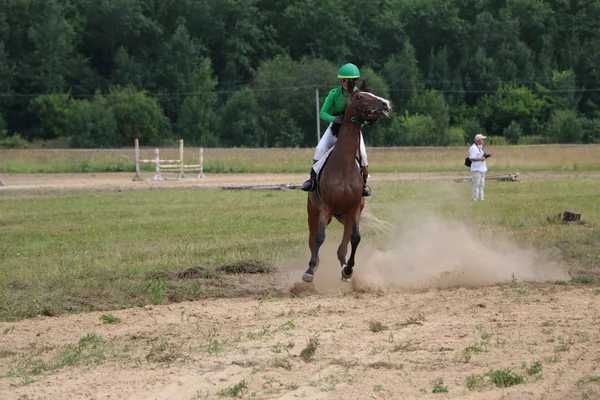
(98, 73)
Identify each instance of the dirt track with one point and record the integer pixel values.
(195, 350)
(123, 180)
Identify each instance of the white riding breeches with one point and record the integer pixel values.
(328, 141)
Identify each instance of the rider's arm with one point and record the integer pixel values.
(327, 109)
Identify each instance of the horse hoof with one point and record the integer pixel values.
(345, 277)
(307, 277)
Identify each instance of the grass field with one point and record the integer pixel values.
(555, 158)
(67, 252)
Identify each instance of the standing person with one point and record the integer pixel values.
(478, 167)
(332, 111)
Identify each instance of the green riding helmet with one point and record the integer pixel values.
(348, 71)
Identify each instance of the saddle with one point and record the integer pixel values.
(318, 166)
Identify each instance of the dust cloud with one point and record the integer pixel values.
(433, 252)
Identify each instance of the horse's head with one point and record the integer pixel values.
(366, 107)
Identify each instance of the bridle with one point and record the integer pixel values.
(364, 113)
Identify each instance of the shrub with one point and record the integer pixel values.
(417, 130)
(52, 114)
(471, 127)
(138, 116)
(456, 136)
(591, 130)
(433, 105)
(513, 133)
(564, 127)
(15, 141)
(92, 124)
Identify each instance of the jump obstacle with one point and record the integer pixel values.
(167, 165)
(1, 183)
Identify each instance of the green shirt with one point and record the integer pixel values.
(335, 103)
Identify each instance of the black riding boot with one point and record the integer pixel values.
(365, 174)
(310, 184)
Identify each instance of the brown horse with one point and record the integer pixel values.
(339, 190)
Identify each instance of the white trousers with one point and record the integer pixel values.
(327, 142)
(477, 185)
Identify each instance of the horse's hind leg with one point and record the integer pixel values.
(343, 249)
(317, 223)
(354, 241)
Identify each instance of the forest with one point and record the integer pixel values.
(245, 73)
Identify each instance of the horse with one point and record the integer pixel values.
(339, 188)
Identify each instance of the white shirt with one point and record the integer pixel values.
(477, 152)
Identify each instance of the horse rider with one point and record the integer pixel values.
(332, 111)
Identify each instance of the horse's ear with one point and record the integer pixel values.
(363, 87)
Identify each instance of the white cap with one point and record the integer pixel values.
(480, 136)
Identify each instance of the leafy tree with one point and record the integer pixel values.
(6, 76)
(565, 127)
(432, 103)
(2, 128)
(511, 103)
(52, 113)
(138, 116)
(513, 133)
(183, 72)
(418, 130)
(239, 121)
(401, 71)
(591, 130)
(196, 124)
(92, 124)
(41, 41)
(471, 127)
(563, 92)
(283, 84)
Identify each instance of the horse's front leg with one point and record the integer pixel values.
(354, 241)
(319, 238)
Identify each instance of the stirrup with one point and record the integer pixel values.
(366, 191)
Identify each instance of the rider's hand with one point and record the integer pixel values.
(338, 120)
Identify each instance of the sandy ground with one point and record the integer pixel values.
(372, 339)
(196, 350)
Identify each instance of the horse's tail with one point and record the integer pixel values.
(377, 225)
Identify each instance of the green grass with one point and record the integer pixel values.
(235, 390)
(65, 252)
(109, 319)
(506, 378)
(419, 159)
(475, 381)
(438, 386)
(90, 350)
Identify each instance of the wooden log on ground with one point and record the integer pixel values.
(261, 187)
(570, 216)
(503, 178)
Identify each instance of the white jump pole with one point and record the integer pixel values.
(138, 176)
(2, 183)
(201, 163)
(157, 176)
(181, 174)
